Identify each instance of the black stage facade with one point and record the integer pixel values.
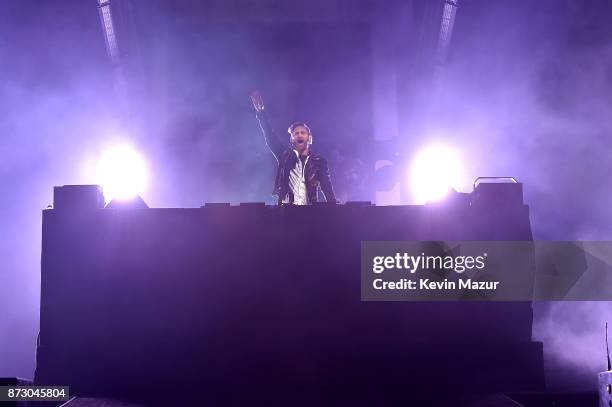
(260, 305)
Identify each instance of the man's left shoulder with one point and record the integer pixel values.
(317, 158)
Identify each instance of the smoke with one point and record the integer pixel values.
(53, 106)
(574, 342)
(524, 93)
(526, 90)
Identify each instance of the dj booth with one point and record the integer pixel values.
(260, 305)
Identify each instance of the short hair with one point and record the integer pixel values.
(297, 124)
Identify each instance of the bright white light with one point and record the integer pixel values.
(121, 172)
(436, 170)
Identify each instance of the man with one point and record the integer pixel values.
(300, 173)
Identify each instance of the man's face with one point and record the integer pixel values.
(300, 138)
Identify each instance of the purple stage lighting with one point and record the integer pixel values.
(434, 173)
(122, 173)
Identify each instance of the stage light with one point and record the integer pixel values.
(434, 173)
(135, 202)
(121, 172)
(106, 18)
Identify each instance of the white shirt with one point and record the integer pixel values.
(297, 183)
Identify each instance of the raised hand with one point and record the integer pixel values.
(257, 101)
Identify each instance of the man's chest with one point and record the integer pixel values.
(305, 168)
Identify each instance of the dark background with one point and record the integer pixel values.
(525, 91)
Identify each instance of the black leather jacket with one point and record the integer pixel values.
(316, 173)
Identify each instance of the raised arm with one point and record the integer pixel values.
(326, 185)
(275, 146)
